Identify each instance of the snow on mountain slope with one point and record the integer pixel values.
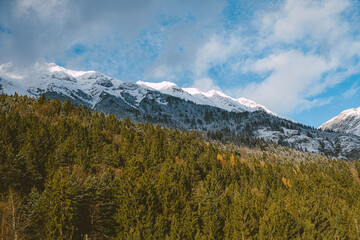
(347, 121)
(11, 88)
(169, 105)
(212, 98)
(87, 86)
(42, 78)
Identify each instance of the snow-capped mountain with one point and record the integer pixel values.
(212, 98)
(88, 85)
(347, 121)
(84, 86)
(167, 104)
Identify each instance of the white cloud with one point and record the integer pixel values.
(216, 51)
(318, 102)
(297, 20)
(42, 29)
(162, 72)
(308, 48)
(351, 92)
(44, 9)
(301, 49)
(205, 84)
(292, 78)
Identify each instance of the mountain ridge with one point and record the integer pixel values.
(85, 81)
(348, 121)
(213, 97)
(222, 118)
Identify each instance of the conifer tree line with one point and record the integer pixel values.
(70, 173)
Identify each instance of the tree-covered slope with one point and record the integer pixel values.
(169, 105)
(70, 173)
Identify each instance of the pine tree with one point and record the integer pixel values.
(60, 207)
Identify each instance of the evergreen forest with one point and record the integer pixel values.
(67, 172)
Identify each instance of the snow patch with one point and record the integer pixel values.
(212, 98)
(157, 86)
(347, 121)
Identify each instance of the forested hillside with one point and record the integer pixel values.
(70, 173)
(171, 106)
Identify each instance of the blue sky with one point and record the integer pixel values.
(298, 58)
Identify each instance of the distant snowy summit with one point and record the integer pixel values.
(212, 98)
(87, 86)
(347, 121)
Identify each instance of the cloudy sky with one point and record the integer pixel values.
(300, 59)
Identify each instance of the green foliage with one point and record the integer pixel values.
(59, 205)
(77, 174)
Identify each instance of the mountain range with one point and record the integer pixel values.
(169, 105)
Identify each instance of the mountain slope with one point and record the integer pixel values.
(87, 86)
(212, 98)
(218, 116)
(347, 121)
(99, 177)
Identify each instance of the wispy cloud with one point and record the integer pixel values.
(304, 48)
(47, 28)
(313, 47)
(217, 51)
(205, 84)
(300, 49)
(292, 78)
(352, 91)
